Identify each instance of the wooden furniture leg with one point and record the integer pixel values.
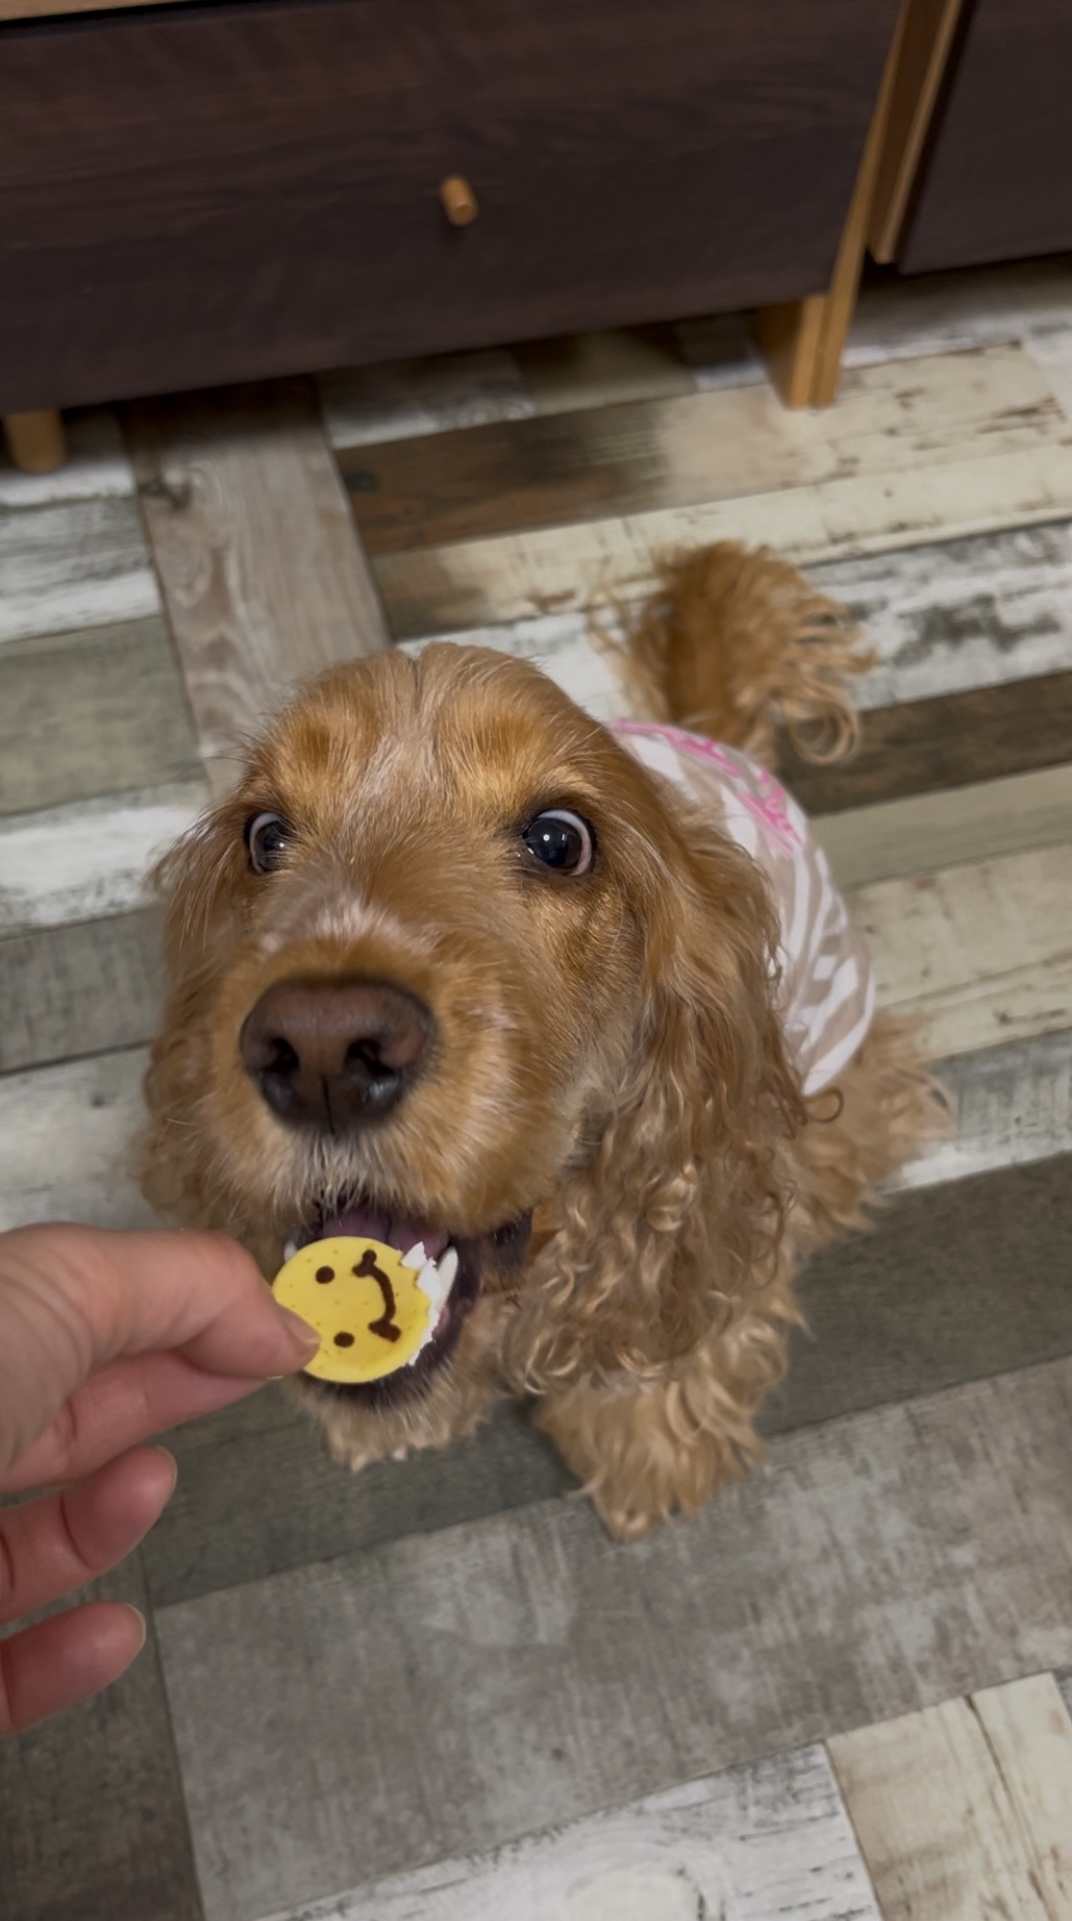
(36, 441)
(925, 52)
(802, 340)
(789, 336)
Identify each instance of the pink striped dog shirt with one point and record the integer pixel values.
(828, 987)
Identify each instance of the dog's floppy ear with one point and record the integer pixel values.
(679, 1211)
(196, 885)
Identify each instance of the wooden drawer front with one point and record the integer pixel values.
(997, 180)
(221, 192)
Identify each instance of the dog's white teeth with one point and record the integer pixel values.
(416, 1256)
(430, 1283)
(448, 1269)
(290, 1248)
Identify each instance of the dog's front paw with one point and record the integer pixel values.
(348, 1450)
(626, 1447)
(625, 1523)
(346, 1453)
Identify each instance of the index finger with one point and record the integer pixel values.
(126, 1401)
(73, 1299)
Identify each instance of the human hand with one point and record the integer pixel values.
(106, 1339)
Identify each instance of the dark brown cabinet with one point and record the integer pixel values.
(995, 181)
(205, 193)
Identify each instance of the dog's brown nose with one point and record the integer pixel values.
(333, 1054)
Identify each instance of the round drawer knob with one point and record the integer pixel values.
(459, 200)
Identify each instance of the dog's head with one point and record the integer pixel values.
(444, 954)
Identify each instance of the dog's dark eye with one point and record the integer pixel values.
(266, 838)
(561, 840)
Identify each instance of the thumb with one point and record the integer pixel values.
(73, 1298)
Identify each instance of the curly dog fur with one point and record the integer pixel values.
(608, 1063)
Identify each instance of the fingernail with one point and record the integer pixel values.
(172, 1464)
(307, 1337)
(140, 1619)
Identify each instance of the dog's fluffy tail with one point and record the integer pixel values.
(736, 644)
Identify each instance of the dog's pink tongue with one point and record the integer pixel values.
(394, 1231)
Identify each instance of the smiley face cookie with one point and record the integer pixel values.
(373, 1309)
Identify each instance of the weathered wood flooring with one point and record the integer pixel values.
(436, 1692)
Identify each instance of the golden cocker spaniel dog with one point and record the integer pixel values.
(458, 964)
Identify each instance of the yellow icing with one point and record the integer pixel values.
(369, 1309)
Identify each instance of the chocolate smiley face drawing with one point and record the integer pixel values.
(373, 1308)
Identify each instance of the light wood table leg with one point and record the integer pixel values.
(36, 441)
(802, 340)
(790, 338)
(925, 53)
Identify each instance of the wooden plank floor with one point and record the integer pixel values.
(264, 581)
(754, 1844)
(965, 1801)
(845, 1692)
(886, 1563)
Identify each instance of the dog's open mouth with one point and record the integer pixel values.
(460, 1262)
